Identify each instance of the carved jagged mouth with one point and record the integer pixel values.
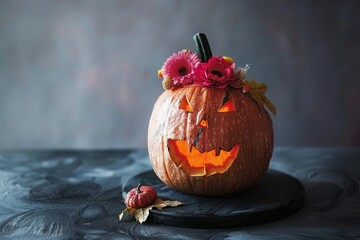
(195, 163)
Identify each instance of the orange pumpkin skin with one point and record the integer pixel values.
(249, 127)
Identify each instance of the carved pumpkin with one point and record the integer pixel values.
(209, 140)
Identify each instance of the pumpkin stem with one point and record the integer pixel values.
(138, 191)
(203, 47)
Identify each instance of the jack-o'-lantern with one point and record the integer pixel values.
(209, 133)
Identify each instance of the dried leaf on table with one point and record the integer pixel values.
(141, 214)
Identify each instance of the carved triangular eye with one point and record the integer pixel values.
(184, 105)
(228, 105)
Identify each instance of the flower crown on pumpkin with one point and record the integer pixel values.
(202, 69)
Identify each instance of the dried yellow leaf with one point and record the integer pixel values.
(257, 92)
(141, 214)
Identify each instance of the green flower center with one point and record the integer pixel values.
(182, 71)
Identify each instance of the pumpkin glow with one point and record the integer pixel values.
(195, 163)
(212, 138)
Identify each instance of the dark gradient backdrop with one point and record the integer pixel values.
(82, 74)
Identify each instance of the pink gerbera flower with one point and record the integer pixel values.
(180, 67)
(217, 72)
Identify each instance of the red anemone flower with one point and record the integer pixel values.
(217, 72)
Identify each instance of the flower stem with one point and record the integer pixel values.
(203, 47)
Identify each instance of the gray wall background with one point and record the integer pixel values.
(82, 74)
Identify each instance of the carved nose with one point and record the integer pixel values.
(203, 123)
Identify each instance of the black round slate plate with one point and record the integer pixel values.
(276, 196)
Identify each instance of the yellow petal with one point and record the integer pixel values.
(228, 59)
(160, 73)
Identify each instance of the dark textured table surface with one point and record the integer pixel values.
(78, 195)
